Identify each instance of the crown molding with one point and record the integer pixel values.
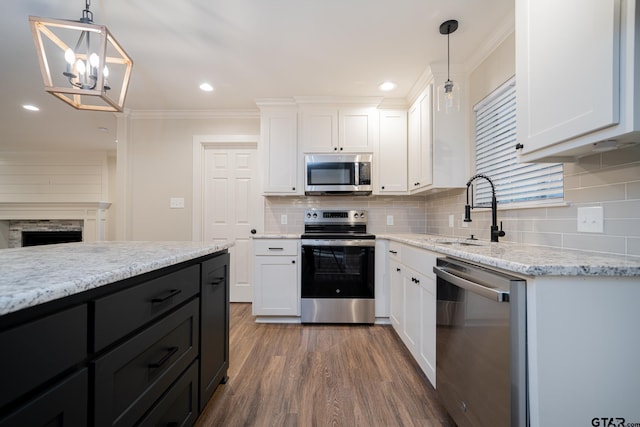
(194, 114)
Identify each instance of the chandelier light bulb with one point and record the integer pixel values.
(94, 60)
(80, 66)
(105, 71)
(69, 56)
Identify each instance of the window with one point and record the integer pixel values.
(496, 156)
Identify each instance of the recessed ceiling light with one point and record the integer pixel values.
(206, 87)
(387, 86)
(30, 107)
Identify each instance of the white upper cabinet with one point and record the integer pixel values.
(420, 141)
(576, 77)
(330, 129)
(391, 155)
(438, 146)
(279, 151)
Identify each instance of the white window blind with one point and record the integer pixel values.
(496, 156)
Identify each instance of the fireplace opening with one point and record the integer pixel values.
(36, 238)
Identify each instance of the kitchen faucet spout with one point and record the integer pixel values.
(495, 232)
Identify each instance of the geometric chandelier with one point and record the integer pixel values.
(81, 62)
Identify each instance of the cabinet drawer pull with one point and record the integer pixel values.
(394, 252)
(171, 293)
(170, 352)
(216, 281)
(276, 249)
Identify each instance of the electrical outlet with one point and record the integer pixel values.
(464, 224)
(283, 219)
(176, 203)
(389, 219)
(591, 219)
(451, 221)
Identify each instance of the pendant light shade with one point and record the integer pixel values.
(81, 62)
(449, 92)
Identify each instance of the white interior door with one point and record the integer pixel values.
(231, 208)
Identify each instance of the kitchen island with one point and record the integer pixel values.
(112, 333)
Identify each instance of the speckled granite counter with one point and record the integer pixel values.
(34, 275)
(524, 259)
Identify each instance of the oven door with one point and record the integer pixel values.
(337, 268)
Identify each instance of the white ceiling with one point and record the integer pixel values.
(246, 49)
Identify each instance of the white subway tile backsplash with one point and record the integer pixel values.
(611, 180)
(595, 243)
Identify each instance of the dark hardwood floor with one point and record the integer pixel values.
(318, 375)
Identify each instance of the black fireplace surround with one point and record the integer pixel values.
(36, 238)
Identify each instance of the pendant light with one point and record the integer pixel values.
(449, 93)
(81, 62)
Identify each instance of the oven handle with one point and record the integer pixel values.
(339, 242)
(492, 294)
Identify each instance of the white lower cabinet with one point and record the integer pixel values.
(413, 303)
(276, 264)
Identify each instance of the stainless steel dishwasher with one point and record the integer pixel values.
(481, 345)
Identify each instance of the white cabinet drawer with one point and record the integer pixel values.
(419, 260)
(275, 246)
(395, 251)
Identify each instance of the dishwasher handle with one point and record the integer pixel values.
(476, 288)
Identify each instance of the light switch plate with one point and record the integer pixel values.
(451, 219)
(283, 219)
(591, 219)
(176, 203)
(389, 219)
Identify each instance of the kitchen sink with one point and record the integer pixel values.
(459, 242)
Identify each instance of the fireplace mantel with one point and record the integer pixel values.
(93, 214)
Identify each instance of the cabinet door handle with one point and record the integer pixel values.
(170, 352)
(397, 268)
(393, 252)
(293, 261)
(335, 148)
(276, 249)
(170, 294)
(217, 281)
(293, 188)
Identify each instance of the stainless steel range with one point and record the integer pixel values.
(337, 267)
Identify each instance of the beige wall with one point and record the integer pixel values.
(160, 166)
(610, 180)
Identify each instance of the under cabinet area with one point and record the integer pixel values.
(144, 350)
(276, 277)
(412, 297)
(560, 119)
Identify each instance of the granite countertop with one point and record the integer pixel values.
(276, 236)
(35, 275)
(524, 259)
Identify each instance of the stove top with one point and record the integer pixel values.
(335, 224)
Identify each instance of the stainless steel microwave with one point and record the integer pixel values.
(337, 174)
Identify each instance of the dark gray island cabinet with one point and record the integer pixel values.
(147, 350)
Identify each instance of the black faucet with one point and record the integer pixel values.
(495, 232)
